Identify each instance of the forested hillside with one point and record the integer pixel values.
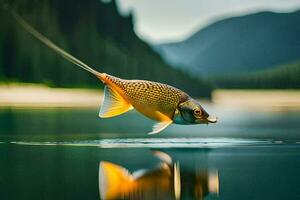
(285, 76)
(90, 30)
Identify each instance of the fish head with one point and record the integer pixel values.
(191, 112)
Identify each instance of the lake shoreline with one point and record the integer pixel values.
(40, 96)
(261, 99)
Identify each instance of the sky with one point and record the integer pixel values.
(159, 21)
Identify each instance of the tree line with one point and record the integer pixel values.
(92, 31)
(286, 76)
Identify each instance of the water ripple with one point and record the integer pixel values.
(160, 143)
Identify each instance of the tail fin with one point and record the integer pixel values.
(114, 181)
(53, 46)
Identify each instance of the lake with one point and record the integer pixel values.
(64, 153)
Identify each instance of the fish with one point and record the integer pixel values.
(166, 181)
(160, 102)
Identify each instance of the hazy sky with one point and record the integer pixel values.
(172, 20)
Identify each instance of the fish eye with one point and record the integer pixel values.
(197, 112)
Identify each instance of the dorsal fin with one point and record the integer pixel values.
(113, 104)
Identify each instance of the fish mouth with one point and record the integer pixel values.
(211, 119)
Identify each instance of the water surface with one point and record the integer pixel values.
(72, 154)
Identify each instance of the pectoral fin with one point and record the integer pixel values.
(113, 104)
(158, 127)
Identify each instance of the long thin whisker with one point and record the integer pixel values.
(53, 46)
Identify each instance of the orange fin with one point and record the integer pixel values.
(114, 180)
(158, 127)
(113, 104)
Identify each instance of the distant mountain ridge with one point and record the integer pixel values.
(247, 43)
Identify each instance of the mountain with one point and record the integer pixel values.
(239, 44)
(92, 31)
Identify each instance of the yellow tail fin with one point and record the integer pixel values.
(114, 181)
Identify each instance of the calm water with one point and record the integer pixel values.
(72, 154)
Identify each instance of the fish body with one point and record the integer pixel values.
(160, 102)
(165, 181)
(155, 100)
(116, 182)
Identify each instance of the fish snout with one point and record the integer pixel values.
(211, 119)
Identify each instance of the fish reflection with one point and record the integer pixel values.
(166, 181)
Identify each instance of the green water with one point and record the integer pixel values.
(55, 154)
